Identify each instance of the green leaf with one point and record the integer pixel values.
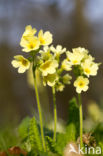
(98, 132)
(23, 128)
(50, 144)
(73, 119)
(72, 127)
(34, 135)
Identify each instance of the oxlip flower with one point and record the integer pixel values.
(29, 43)
(66, 65)
(21, 63)
(66, 79)
(75, 58)
(48, 67)
(45, 53)
(45, 38)
(60, 86)
(58, 50)
(90, 68)
(29, 31)
(50, 79)
(81, 84)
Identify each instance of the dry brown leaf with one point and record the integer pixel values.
(3, 154)
(17, 151)
(88, 139)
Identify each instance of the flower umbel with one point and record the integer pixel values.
(81, 84)
(21, 63)
(52, 68)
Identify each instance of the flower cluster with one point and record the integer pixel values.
(52, 68)
(30, 43)
(48, 60)
(83, 65)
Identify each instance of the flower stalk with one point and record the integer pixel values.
(39, 108)
(81, 120)
(55, 113)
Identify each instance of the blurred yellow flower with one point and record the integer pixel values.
(75, 57)
(95, 112)
(29, 31)
(21, 63)
(60, 87)
(66, 79)
(29, 43)
(45, 53)
(81, 50)
(66, 65)
(58, 50)
(81, 84)
(90, 68)
(50, 79)
(45, 38)
(48, 67)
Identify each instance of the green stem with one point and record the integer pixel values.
(81, 120)
(38, 103)
(40, 114)
(55, 113)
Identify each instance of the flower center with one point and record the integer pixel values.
(81, 83)
(46, 65)
(75, 61)
(87, 70)
(31, 45)
(24, 62)
(42, 41)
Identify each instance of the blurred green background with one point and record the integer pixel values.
(73, 23)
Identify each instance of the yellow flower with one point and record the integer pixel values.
(29, 43)
(45, 38)
(50, 79)
(21, 63)
(48, 67)
(29, 31)
(81, 84)
(90, 68)
(66, 65)
(75, 58)
(80, 50)
(45, 53)
(66, 79)
(60, 87)
(58, 50)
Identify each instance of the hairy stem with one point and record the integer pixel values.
(55, 113)
(81, 120)
(38, 105)
(40, 114)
